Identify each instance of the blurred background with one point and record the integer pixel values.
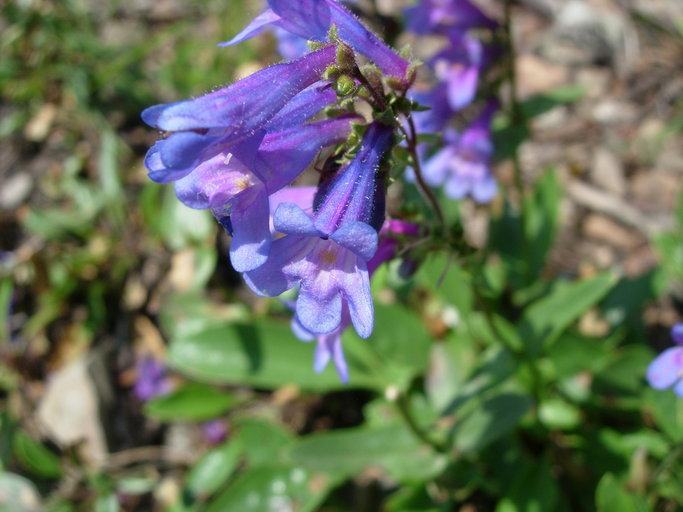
(100, 269)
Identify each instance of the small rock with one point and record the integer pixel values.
(655, 191)
(607, 171)
(15, 190)
(536, 75)
(611, 111)
(583, 34)
(69, 411)
(596, 81)
(606, 230)
(39, 126)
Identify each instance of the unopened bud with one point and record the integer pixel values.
(345, 57)
(345, 85)
(332, 72)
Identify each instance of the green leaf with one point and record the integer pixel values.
(492, 419)
(397, 351)
(611, 496)
(533, 489)
(625, 374)
(348, 452)
(558, 414)
(182, 226)
(497, 365)
(548, 317)
(35, 457)
(542, 216)
(107, 503)
(262, 489)
(259, 354)
(262, 442)
(573, 353)
(542, 103)
(447, 279)
(192, 402)
(213, 469)
(667, 411)
(6, 289)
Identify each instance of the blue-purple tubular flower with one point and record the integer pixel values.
(326, 255)
(458, 67)
(329, 345)
(444, 16)
(313, 19)
(205, 126)
(666, 370)
(463, 166)
(238, 194)
(151, 380)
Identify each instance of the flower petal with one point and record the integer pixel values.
(677, 333)
(666, 369)
(257, 25)
(251, 238)
(237, 107)
(312, 19)
(292, 220)
(357, 237)
(484, 190)
(319, 304)
(286, 253)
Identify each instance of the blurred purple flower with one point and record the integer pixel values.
(457, 68)
(151, 380)
(446, 16)
(463, 165)
(215, 431)
(290, 46)
(666, 370)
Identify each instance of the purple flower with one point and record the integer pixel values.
(445, 16)
(463, 165)
(151, 380)
(329, 347)
(206, 126)
(290, 46)
(326, 255)
(458, 68)
(667, 368)
(238, 194)
(215, 431)
(313, 19)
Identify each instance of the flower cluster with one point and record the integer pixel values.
(239, 150)
(462, 166)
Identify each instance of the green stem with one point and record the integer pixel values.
(427, 192)
(517, 116)
(403, 407)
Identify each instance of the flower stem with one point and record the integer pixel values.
(411, 139)
(403, 407)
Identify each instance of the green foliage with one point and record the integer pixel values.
(480, 386)
(192, 402)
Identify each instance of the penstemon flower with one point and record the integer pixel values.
(327, 254)
(313, 20)
(238, 150)
(463, 166)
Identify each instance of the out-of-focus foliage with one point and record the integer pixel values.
(479, 388)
